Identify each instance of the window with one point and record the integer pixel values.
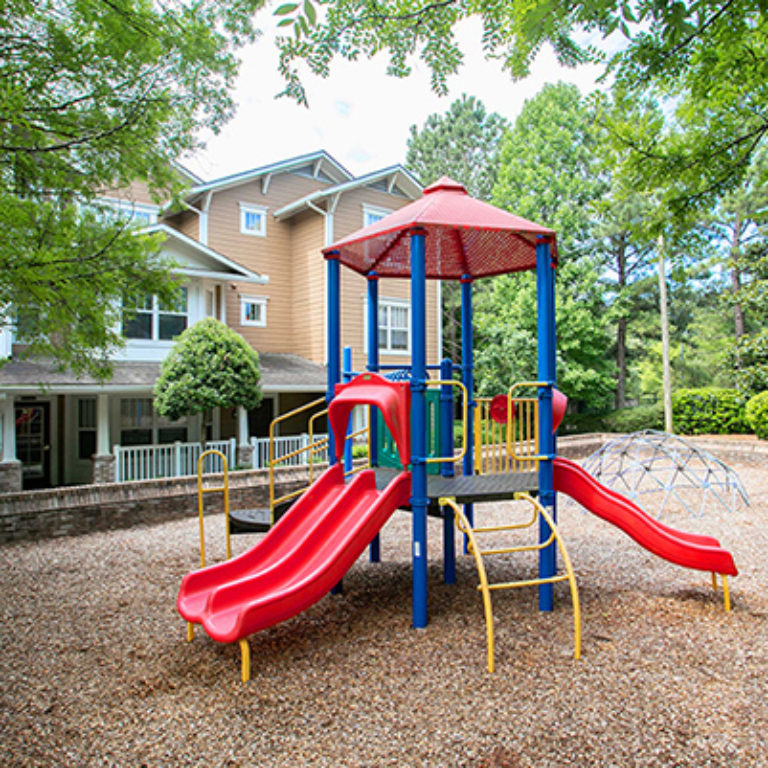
(253, 311)
(372, 214)
(146, 317)
(140, 425)
(253, 220)
(140, 214)
(86, 427)
(394, 326)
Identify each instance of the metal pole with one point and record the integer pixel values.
(419, 499)
(446, 469)
(468, 379)
(374, 551)
(334, 337)
(545, 292)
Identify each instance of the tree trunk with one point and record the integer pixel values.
(621, 330)
(738, 310)
(667, 372)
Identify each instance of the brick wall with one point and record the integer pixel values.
(82, 509)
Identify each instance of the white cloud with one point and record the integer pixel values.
(359, 114)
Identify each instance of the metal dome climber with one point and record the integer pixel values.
(648, 464)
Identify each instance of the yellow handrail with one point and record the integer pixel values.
(275, 421)
(464, 409)
(464, 527)
(201, 490)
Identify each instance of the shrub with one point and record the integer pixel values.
(757, 415)
(360, 451)
(582, 423)
(708, 411)
(635, 419)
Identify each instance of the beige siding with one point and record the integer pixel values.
(135, 192)
(348, 219)
(187, 222)
(309, 286)
(271, 255)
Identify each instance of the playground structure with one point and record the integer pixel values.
(649, 464)
(508, 445)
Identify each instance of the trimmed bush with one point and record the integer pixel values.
(636, 419)
(757, 415)
(709, 410)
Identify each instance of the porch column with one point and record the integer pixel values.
(244, 450)
(10, 466)
(103, 459)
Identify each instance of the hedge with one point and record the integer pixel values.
(709, 410)
(757, 415)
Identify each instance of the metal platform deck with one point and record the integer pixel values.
(469, 489)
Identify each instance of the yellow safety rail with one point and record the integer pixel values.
(726, 590)
(464, 411)
(201, 491)
(314, 447)
(486, 588)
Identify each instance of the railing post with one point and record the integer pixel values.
(177, 459)
(118, 463)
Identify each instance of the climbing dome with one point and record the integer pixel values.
(659, 472)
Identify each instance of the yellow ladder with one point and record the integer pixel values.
(486, 588)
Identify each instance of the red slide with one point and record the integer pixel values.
(687, 549)
(301, 558)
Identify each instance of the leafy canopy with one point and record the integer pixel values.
(95, 95)
(209, 366)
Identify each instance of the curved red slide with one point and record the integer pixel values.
(687, 549)
(299, 561)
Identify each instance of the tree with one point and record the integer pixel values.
(549, 172)
(209, 366)
(707, 57)
(95, 95)
(462, 144)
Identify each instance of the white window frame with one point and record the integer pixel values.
(372, 213)
(261, 301)
(261, 212)
(388, 304)
(154, 313)
(131, 209)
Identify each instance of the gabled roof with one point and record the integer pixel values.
(319, 165)
(211, 263)
(391, 179)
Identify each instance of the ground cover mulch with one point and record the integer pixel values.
(95, 670)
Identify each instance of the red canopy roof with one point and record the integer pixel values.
(463, 236)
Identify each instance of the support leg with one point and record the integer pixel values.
(245, 660)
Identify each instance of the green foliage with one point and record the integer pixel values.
(548, 173)
(95, 95)
(635, 419)
(757, 414)
(462, 144)
(708, 410)
(360, 451)
(209, 366)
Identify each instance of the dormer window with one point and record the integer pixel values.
(372, 214)
(253, 220)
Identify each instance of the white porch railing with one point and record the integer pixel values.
(284, 446)
(148, 462)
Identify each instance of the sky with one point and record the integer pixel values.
(360, 115)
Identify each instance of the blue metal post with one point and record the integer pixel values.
(419, 499)
(374, 551)
(334, 336)
(468, 379)
(446, 469)
(347, 376)
(545, 292)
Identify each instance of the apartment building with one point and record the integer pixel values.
(248, 249)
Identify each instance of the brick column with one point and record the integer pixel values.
(103, 468)
(10, 466)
